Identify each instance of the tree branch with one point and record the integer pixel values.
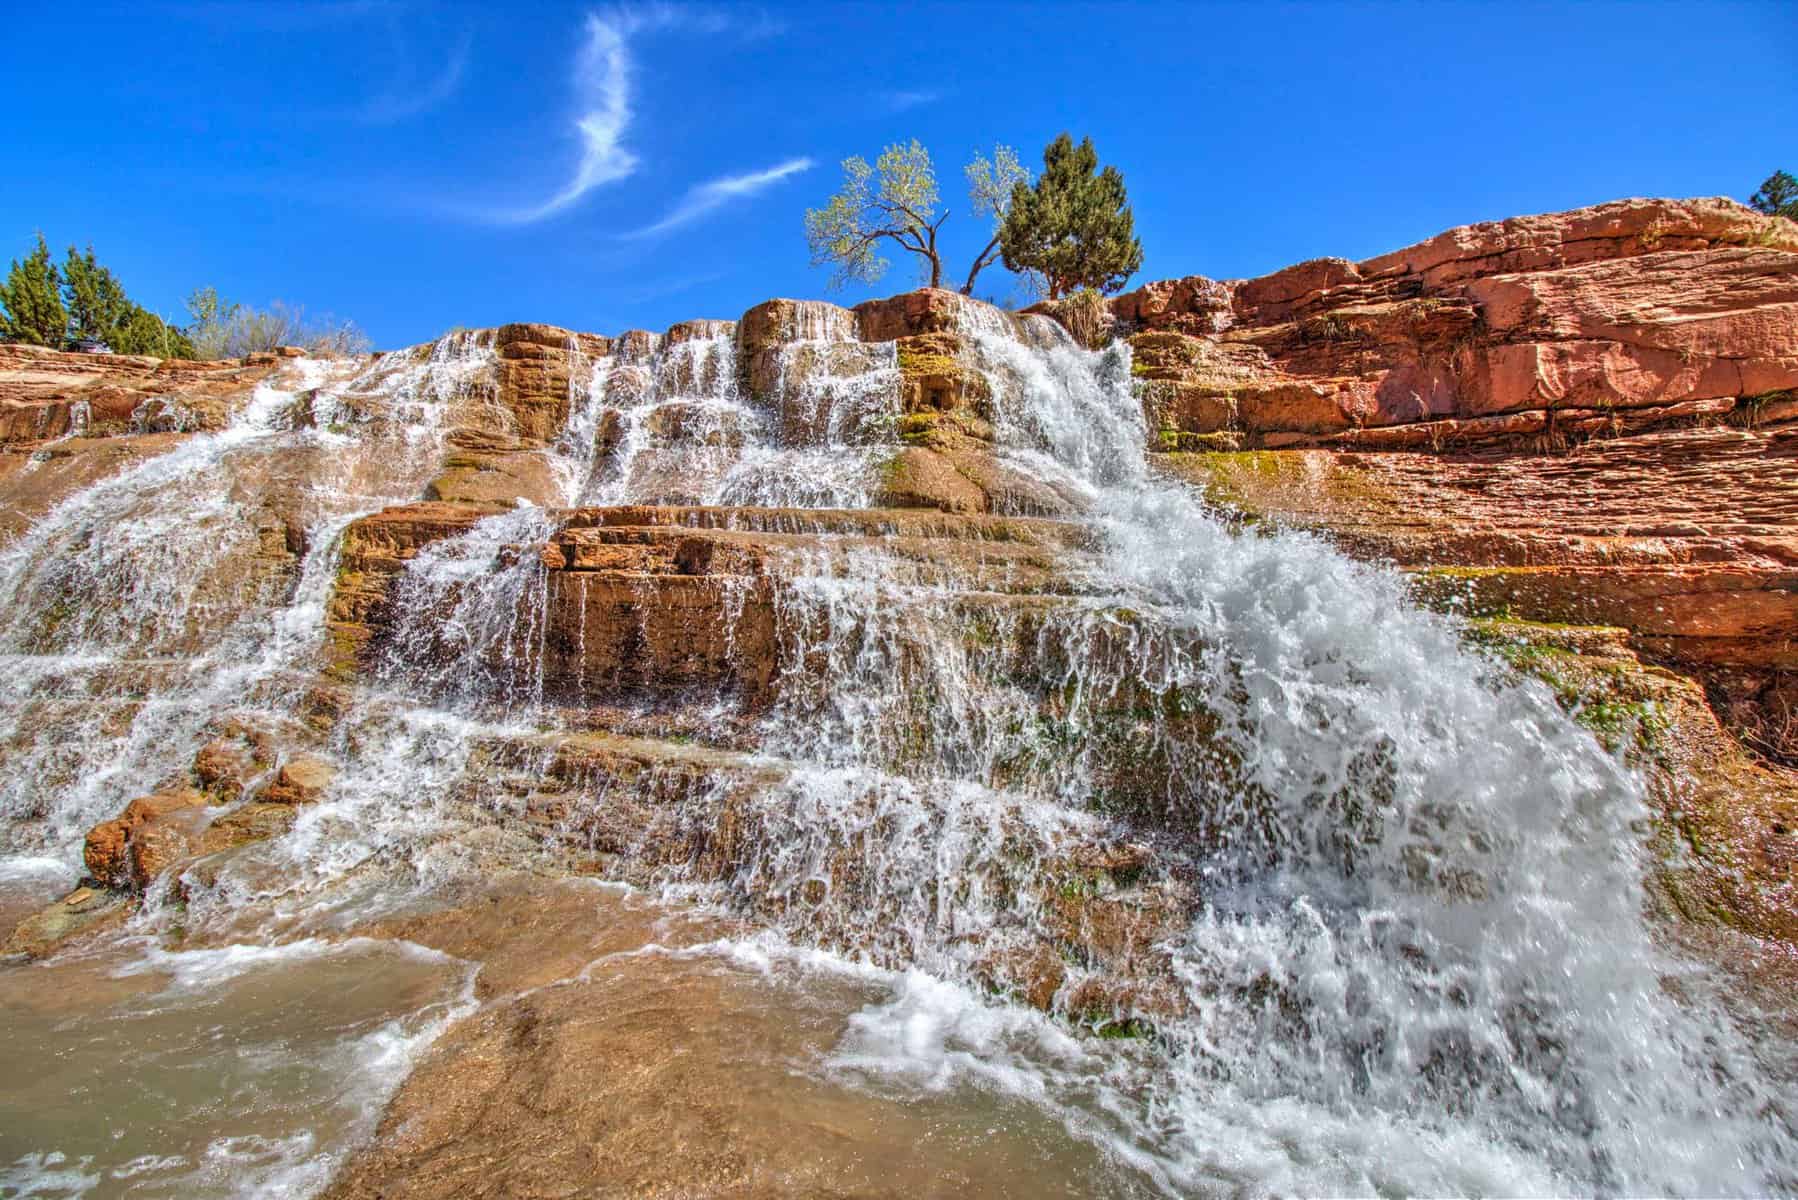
(982, 261)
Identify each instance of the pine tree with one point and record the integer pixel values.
(1073, 224)
(141, 331)
(32, 298)
(1778, 196)
(96, 300)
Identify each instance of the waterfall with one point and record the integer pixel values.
(1424, 966)
(1421, 964)
(1397, 934)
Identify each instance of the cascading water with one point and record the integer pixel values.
(136, 612)
(1416, 961)
(1422, 966)
(678, 431)
(141, 605)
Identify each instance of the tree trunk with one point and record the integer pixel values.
(982, 261)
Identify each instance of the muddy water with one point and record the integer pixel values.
(223, 1071)
(612, 1045)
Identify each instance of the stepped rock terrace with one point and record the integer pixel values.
(1344, 706)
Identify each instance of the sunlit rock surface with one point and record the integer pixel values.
(990, 701)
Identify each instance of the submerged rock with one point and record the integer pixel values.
(301, 780)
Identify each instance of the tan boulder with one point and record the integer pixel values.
(934, 374)
(496, 479)
(781, 322)
(1193, 304)
(302, 779)
(253, 822)
(536, 364)
(223, 768)
(130, 849)
(81, 912)
(927, 310)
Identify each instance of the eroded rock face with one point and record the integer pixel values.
(302, 779)
(1648, 313)
(1683, 537)
(651, 601)
(536, 364)
(52, 393)
(1582, 417)
(645, 646)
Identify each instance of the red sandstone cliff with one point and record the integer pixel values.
(1612, 319)
(1585, 418)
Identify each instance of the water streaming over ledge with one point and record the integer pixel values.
(1418, 963)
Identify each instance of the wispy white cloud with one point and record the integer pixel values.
(900, 101)
(402, 102)
(602, 78)
(707, 197)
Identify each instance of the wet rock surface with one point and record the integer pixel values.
(594, 1067)
(953, 756)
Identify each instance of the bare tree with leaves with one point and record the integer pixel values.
(990, 185)
(224, 329)
(894, 200)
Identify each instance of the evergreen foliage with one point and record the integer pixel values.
(32, 299)
(47, 306)
(96, 300)
(98, 308)
(1074, 224)
(141, 331)
(1778, 196)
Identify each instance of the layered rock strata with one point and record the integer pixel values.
(1581, 418)
(1535, 331)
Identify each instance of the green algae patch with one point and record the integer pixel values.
(1594, 678)
(1176, 441)
(1300, 487)
(918, 362)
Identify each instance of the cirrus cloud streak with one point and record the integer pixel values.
(704, 198)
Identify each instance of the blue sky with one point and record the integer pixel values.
(416, 167)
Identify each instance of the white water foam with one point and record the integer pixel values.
(1421, 964)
